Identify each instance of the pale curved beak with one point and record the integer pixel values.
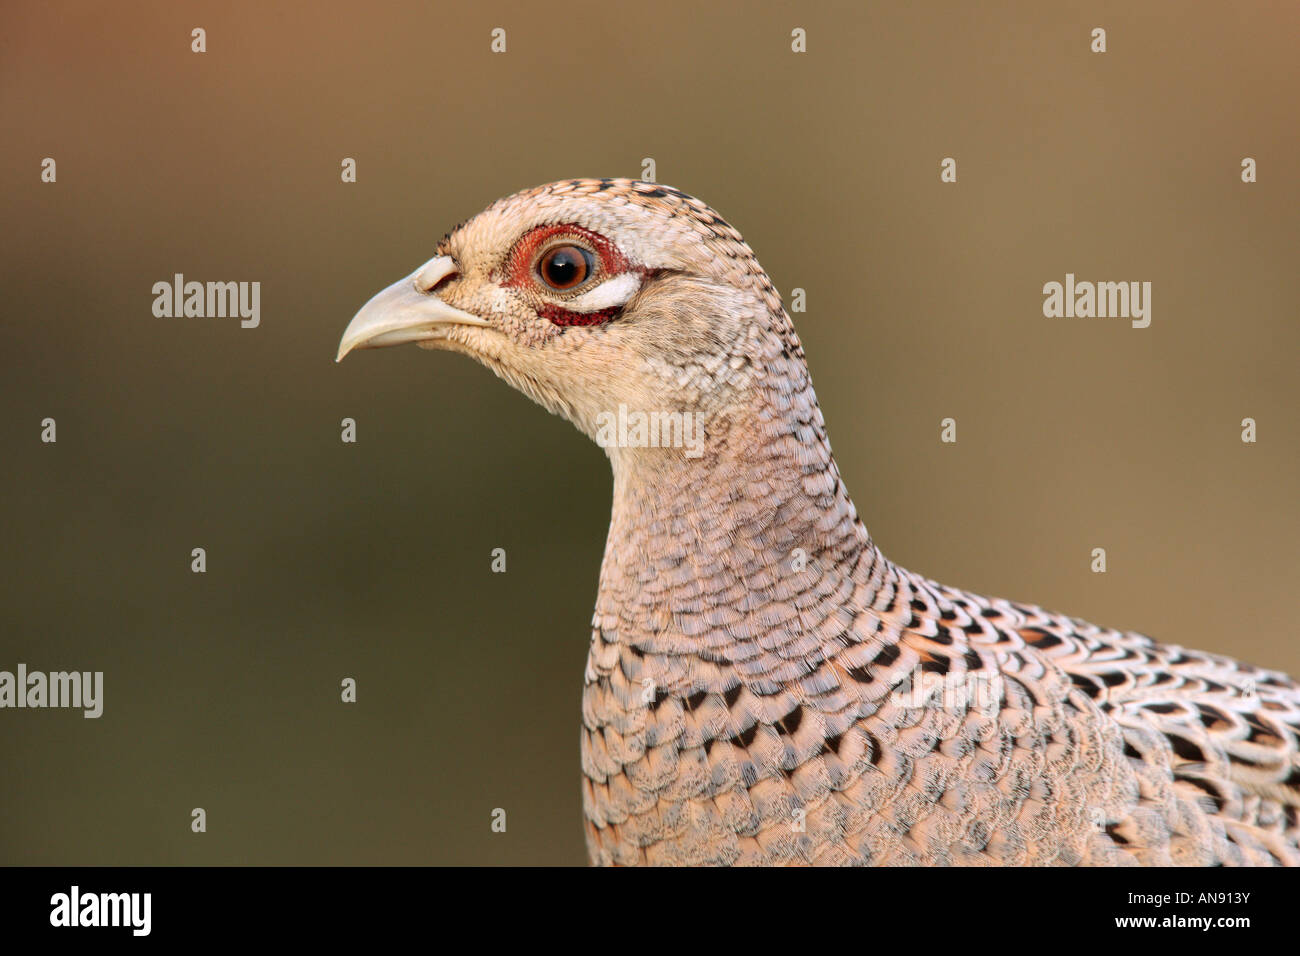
(407, 311)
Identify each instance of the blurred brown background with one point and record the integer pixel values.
(371, 560)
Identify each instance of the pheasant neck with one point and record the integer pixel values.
(707, 545)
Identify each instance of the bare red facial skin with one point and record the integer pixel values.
(519, 267)
(519, 270)
(557, 316)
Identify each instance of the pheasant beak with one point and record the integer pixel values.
(407, 311)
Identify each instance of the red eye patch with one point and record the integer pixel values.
(519, 266)
(557, 316)
(520, 269)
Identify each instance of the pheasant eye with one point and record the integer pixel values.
(565, 267)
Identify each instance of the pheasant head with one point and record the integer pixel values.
(592, 296)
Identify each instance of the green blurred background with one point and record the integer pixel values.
(371, 560)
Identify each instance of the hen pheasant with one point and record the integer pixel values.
(763, 685)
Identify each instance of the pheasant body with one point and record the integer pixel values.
(765, 687)
(1042, 740)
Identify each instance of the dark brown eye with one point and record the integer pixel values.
(565, 267)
